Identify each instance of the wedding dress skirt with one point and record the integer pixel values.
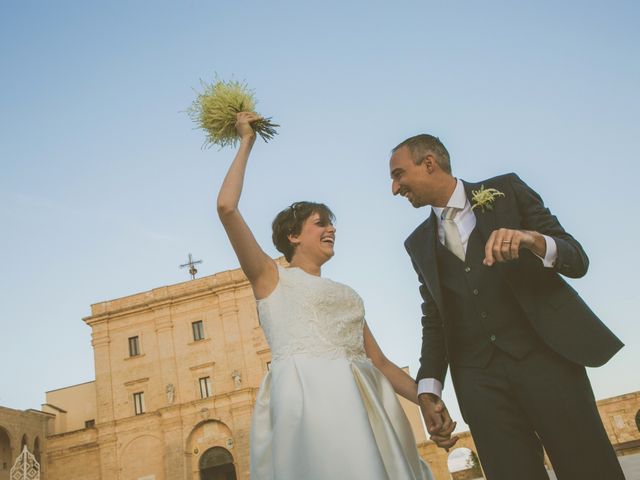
(324, 412)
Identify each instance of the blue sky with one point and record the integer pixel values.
(104, 187)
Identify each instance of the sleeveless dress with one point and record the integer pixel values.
(323, 411)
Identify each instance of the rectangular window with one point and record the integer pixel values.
(134, 346)
(138, 402)
(205, 387)
(198, 330)
(89, 424)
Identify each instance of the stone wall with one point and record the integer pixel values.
(17, 427)
(74, 456)
(619, 418)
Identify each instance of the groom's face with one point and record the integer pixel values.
(410, 180)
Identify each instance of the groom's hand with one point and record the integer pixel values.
(504, 245)
(439, 423)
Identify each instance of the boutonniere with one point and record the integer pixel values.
(484, 197)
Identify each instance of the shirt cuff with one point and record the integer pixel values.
(551, 254)
(430, 385)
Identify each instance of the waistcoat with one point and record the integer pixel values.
(482, 311)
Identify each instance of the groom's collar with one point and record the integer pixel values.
(458, 199)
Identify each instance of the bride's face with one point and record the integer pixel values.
(317, 238)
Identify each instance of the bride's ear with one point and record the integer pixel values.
(293, 239)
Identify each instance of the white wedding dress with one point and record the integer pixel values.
(324, 412)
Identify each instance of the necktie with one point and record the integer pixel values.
(451, 234)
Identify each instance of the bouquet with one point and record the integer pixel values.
(214, 111)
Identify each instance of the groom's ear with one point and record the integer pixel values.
(429, 163)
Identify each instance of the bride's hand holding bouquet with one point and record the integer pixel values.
(216, 109)
(243, 126)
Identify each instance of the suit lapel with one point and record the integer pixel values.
(424, 248)
(485, 221)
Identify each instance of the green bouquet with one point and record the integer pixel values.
(214, 111)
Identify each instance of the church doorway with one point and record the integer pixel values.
(217, 464)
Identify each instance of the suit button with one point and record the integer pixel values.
(492, 338)
(475, 291)
(467, 269)
(484, 314)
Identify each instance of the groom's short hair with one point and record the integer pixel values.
(421, 145)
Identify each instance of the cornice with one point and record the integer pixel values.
(134, 382)
(219, 285)
(164, 297)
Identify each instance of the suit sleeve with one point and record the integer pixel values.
(433, 355)
(572, 261)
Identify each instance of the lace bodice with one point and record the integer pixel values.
(312, 316)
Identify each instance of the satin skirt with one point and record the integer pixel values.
(320, 419)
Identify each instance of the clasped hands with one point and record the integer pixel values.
(504, 245)
(438, 421)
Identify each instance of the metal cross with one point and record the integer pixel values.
(192, 269)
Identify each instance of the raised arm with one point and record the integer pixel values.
(259, 268)
(572, 260)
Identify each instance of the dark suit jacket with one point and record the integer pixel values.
(559, 316)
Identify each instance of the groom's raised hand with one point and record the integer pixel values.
(504, 245)
(438, 421)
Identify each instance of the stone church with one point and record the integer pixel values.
(177, 370)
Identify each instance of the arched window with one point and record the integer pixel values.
(5, 453)
(638, 420)
(24, 442)
(36, 450)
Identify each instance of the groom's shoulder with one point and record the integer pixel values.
(416, 233)
(505, 178)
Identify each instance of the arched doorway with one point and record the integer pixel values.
(5, 454)
(463, 464)
(638, 420)
(217, 464)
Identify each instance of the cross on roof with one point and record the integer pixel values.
(191, 264)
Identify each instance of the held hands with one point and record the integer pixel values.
(243, 125)
(505, 244)
(439, 423)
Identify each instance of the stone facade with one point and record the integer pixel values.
(621, 418)
(181, 390)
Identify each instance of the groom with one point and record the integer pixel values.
(490, 260)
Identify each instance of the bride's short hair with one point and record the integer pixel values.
(290, 220)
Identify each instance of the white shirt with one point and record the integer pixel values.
(465, 220)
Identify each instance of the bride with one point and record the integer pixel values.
(327, 409)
